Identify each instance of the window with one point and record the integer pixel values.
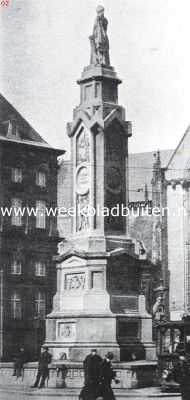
(16, 175)
(16, 267)
(40, 268)
(40, 304)
(41, 179)
(16, 306)
(40, 214)
(16, 217)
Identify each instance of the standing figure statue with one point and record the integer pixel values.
(99, 40)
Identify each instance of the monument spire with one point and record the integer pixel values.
(99, 268)
(99, 40)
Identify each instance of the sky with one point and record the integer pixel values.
(44, 47)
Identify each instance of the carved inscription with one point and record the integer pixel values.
(75, 281)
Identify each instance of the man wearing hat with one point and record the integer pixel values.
(43, 370)
(107, 375)
(92, 365)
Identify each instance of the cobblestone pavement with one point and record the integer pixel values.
(26, 393)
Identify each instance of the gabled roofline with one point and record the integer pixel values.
(40, 145)
(39, 137)
(178, 146)
(37, 142)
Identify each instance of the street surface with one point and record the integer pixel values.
(27, 393)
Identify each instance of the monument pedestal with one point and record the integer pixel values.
(99, 305)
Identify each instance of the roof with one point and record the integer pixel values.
(178, 167)
(23, 131)
(140, 173)
(178, 146)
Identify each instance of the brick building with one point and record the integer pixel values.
(28, 178)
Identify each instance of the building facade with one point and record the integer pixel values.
(167, 234)
(177, 187)
(28, 239)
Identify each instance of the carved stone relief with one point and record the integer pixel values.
(82, 180)
(83, 147)
(66, 331)
(83, 222)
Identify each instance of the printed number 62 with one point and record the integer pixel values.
(4, 3)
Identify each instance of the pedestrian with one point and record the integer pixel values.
(20, 358)
(107, 375)
(181, 374)
(43, 370)
(92, 368)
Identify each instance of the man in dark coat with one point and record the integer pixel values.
(91, 364)
(182, 375)
(20, 358)
(107, 375)
(43, 370)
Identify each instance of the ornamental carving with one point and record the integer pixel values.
(83, 222)
(82, 147)
(82, 179)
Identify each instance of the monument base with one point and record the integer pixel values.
(72, 337)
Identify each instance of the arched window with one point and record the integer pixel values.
(41, 175)
(41, 178)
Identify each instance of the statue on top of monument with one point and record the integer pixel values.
(99, 40)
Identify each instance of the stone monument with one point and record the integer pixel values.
(100, 270)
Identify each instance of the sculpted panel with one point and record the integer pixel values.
(82, 147)
(66, 331)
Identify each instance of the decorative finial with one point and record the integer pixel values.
(157, 158)
(99, 40)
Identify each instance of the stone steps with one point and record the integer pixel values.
(72, 394)
(11, 384)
